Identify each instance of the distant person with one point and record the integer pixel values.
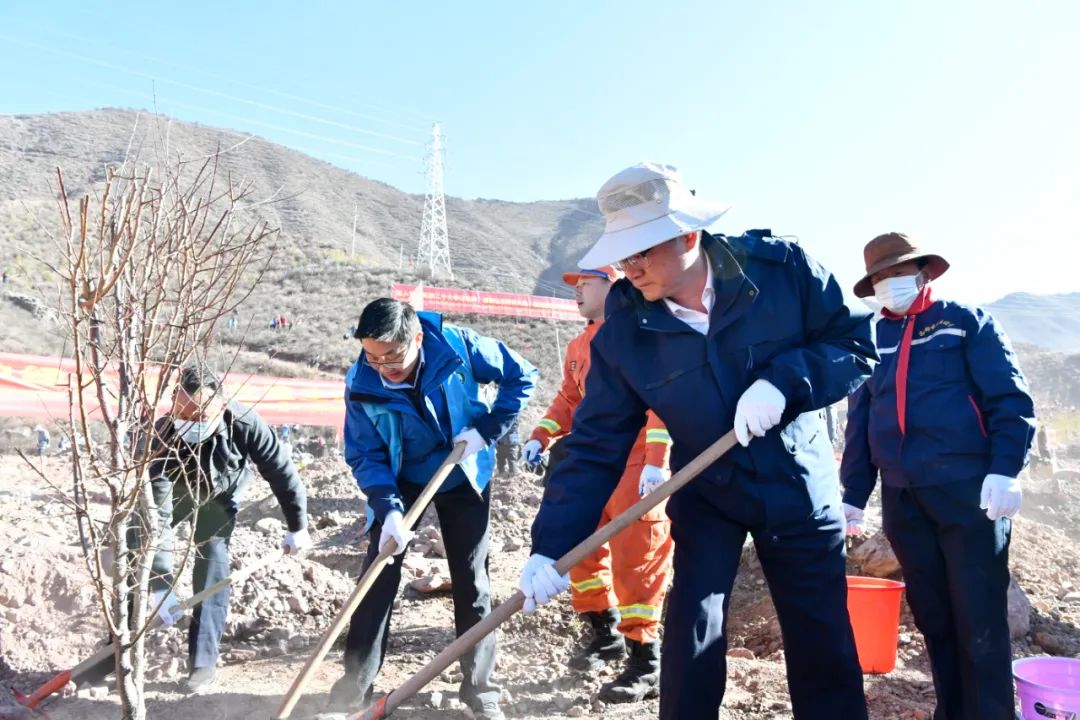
(1043, 443)
(43, 440)
(5, 278)
(274, 323)
(508, 451)
(946, 421)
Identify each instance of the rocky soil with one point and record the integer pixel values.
(50, 621)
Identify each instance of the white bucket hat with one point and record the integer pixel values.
(643, 206)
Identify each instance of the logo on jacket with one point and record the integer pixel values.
(943, 323)
(573, 365)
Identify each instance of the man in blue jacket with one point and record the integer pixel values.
(947, 421)
(412, 394)
(712, 332)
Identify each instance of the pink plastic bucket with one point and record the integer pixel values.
(1049, 688)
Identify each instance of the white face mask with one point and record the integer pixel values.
(897, 293)
(193, 431)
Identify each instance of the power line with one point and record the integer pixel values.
(214, 93)
(259, 88)
(260, 123)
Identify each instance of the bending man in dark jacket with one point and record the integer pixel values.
(947, 421)
(712, 332)
(206, 450)
(411, 395)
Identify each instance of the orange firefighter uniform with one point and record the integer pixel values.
(632, 574)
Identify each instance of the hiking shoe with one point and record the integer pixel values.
(201, 680)
(607, 642)
(640, 680)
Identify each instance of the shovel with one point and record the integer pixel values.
(388, 703)
(58, 681)
(365, 583)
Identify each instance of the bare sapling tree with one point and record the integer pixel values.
(149, 264)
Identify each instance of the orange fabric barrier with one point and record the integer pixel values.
(35, 386)
(450, 300)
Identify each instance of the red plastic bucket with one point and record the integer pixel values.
(874, 609)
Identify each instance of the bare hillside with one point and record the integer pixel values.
(316, 280)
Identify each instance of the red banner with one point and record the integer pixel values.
(451, 300)
(34, 386)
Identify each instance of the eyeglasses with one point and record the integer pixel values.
(637, 261)
(396, 361)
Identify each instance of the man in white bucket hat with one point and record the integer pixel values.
(712, 332)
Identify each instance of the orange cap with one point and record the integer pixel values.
(607, 272)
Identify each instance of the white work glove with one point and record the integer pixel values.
(531, 453)
(856, 523)
(296, 542)
(758, 411)
(394, 527)
(474, 441)
(167, 607)
(540, 582)
(1001, 496)
(652, 477)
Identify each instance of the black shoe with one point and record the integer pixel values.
(641, 678)
(201, 680)
(346, 696)
(487, 710)
(607, 643)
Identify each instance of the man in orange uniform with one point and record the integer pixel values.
(618, 591)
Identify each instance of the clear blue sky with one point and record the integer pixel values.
(958, 122)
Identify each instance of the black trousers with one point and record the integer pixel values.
(804, 565)
(956, 566)
(463, 518)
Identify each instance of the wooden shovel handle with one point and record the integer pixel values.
(586, 547)
(365, 583)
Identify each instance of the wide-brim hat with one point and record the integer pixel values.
(895, 248)
(607, 272)
(643, 206)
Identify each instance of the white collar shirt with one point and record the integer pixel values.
(699, 321)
